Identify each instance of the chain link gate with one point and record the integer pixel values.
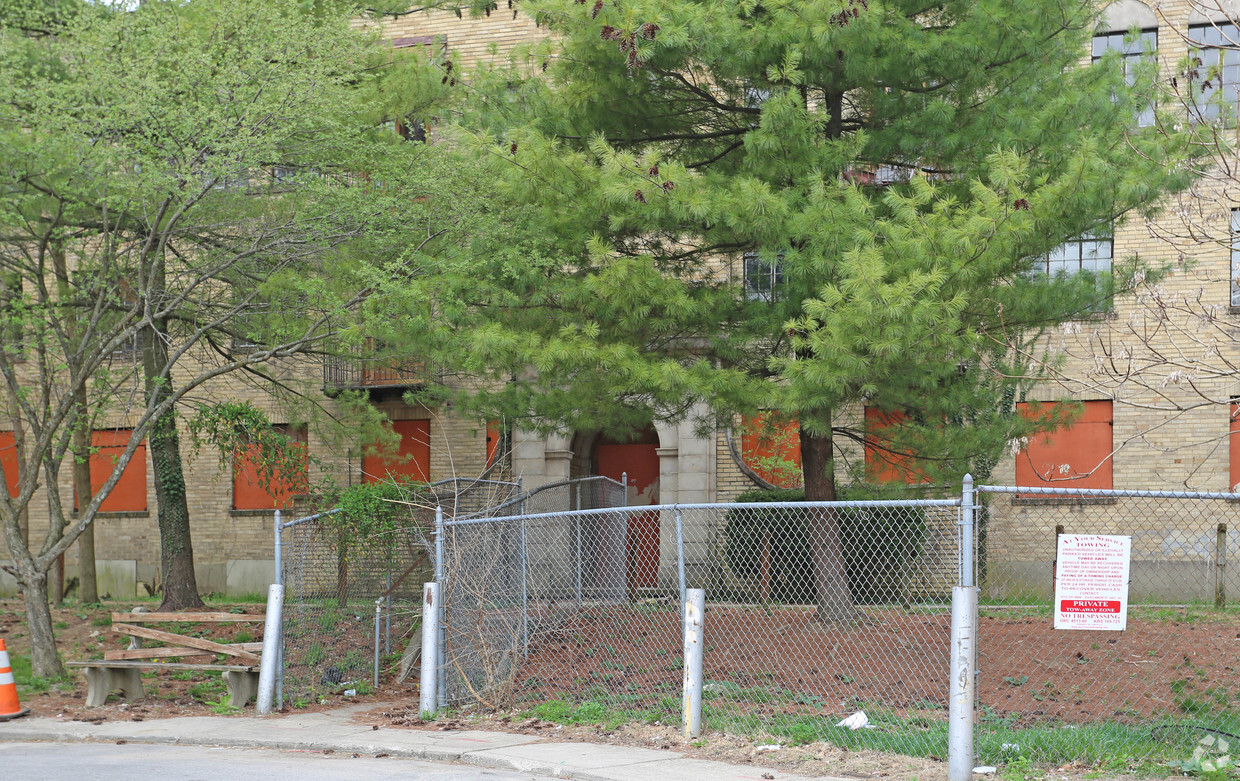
(1145, 695)
(548, 609)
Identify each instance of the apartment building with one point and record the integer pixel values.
(1167, 424)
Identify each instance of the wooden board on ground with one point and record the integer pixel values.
(161, 653)
(189, 618)
(191, 642)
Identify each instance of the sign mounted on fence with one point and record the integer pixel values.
(1091, 581)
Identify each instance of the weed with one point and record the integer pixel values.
(243, 637)
(1021, 681)
(222, 708)
(101, 621)
(61, 625)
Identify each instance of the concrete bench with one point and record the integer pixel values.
(120, 670)
(104, 677)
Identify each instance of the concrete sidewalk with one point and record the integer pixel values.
(336, 731)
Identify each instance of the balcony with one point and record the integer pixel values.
(365, 371)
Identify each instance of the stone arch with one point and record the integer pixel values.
(1125, 15)
(1215, 11)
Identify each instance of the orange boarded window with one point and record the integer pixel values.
(1078, 456)
(882, 465)
(8, 460)
(249, 491)
(772, 449)
(1233, 448)
(413, 455)
(129, 495)
(493, 437)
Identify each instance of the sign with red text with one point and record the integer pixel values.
(1091, 581)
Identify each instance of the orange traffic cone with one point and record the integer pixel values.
(10, 708)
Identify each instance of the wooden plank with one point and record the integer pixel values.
(189, 618)
(165, 666)
(159, 653)
(192, 642)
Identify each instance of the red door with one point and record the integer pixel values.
(640, 461)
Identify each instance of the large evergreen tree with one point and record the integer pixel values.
(890, 169)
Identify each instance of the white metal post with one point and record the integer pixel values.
(428, 699)
(271, 641)
(694, 630)
(961, 682)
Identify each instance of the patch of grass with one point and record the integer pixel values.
(61, 625)
(207, 692)
(222, 708)
(101, 621)
(243, 637)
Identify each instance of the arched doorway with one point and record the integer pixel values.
(636, 460)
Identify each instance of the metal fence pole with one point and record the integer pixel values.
(439, 652)
(378, 624)
(693, 617)
(271, 633)
(525, 595)
(967, 537)
(680, 561)
(429, 697)
(279, 550)
(1220, 567)
(962, 686)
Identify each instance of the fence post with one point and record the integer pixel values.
(271, 634)
(378, 624)
(966, 532)
(680, 560)
(525, 595)
(440, 614)
(962, 685)
(693, 617)
(279, 578)
(430, 662)
(1220, 567)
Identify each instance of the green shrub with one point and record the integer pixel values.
(877, 545)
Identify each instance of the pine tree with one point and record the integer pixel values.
(892, 168)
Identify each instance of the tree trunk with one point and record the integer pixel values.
(833, 595)
(44, 660)
(176, 548)
(56, 574)
(88, 589)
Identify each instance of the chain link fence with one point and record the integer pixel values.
(582, 610)
(352, 603)
(1149, 693)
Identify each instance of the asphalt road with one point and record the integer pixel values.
(136, 761)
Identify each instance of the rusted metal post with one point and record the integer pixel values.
(1220, 567)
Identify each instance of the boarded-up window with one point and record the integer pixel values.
(772, 449)
(413, 455)
(1233, 448)
(884, 463)
(129, 494)
(251, 492)
(8, 460)
(494, 435)
(1078, 456)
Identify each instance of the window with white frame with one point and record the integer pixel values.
(763, 277)
(1216, 75)
(1134, 51)
(1089, 253)
(1235, 257)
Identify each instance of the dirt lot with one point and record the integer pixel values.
(1165, 665)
